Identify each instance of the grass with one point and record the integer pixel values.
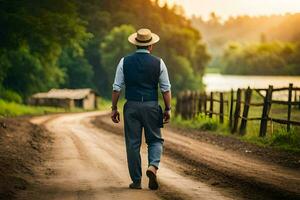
(200, 122)
(12, 109)
(279, 139)
(103, 104)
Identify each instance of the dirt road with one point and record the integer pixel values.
(90, 163)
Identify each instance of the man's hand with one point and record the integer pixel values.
(115, 116)
(167, 99)
(167, 116)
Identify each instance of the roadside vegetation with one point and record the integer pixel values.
(13, 109)
(279, 139)
(9, 108)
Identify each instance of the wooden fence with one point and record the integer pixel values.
(191, 103)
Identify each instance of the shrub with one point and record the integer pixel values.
(210, 125)
(281, 137)
(12, 109)
(10, 96)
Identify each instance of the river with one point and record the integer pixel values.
(219, 82)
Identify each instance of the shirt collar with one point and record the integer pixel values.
(142, 51)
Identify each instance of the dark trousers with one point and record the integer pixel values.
(139, 115)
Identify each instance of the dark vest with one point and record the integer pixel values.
(141, 74)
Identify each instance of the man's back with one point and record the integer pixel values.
(141, 75)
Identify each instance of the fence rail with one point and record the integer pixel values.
(190, 104)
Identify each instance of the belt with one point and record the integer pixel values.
(142, 99)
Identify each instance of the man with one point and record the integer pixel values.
(141, 73)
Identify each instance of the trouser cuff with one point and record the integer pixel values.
(154, 165)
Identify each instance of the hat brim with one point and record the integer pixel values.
(132, 40)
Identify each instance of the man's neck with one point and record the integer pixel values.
(142, 51)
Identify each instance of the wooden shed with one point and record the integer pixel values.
(67, 98)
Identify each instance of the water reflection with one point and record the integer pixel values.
(218, 82)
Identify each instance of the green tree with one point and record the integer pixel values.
(114, 46)
(78, 72)
(275, 58)
(177, 37)
(74, 43)
(26, 73)
(33, 34)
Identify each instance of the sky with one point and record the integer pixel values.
(226, 8)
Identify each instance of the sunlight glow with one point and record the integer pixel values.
(226, 8)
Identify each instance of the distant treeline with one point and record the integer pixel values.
(248, 29)
(75, 43)
(264, 45)
(275, 58)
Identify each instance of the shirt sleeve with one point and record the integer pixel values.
(119, 77)
(164, 81)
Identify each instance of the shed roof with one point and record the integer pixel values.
(64, 93)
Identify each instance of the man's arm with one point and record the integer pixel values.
(114, 99)
(117, 86)
(165, 88)
(167, 99)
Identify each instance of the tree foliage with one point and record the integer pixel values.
(256, 50)
(113, 47)
(33, 34)
(262, 59)
(74, 43)
(78, 72)
(248, 28)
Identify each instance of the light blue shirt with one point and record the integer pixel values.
(164, 82)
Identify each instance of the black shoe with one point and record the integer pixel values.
(153, 184)
(135, 186)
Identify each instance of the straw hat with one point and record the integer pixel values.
(143, 37)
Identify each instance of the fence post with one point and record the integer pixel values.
(184, 105)
(179, 104)
(289, 106)
(237, 111)
(231, 108)
(189, 106)
(265, 112)
(193, 113)
(205, 103)
(199, 103)
(243, 126)
(221, 107)
(211, 106)
(299, 102)
(191, 98)
(195, 102)
(295, 98)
